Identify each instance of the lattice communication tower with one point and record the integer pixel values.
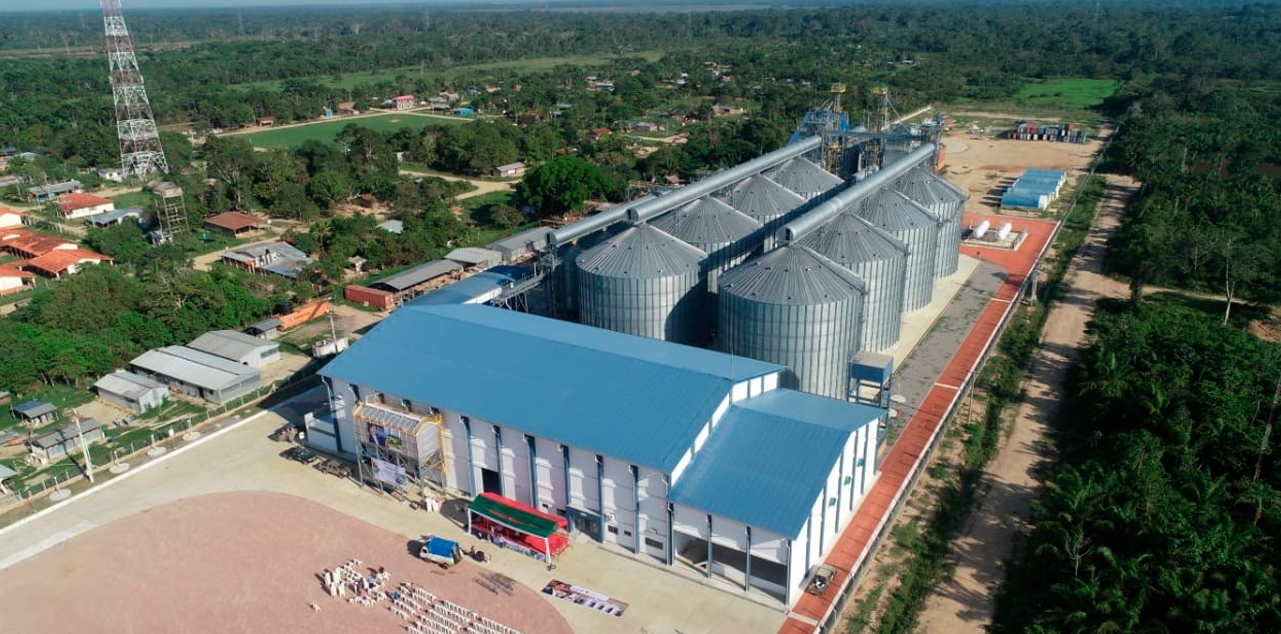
(140, 150)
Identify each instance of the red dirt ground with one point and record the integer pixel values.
(853, 546)
(235, 562)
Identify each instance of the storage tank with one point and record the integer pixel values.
(947, 203)
(765, 201)
(805, 178)
(644, 282)
(981, 230)
(914, 226)
(716, 229)
(796, 308)
(877, 258)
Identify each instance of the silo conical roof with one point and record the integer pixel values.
(849, 240)
(928, 189)
(892, 211)
(641, 252)
(707, 221)
(805, 178)
(794, 275)
(763, 199)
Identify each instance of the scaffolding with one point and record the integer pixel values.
(397, 434)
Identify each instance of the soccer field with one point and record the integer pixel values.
(326, 131)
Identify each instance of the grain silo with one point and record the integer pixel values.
(877, 258)
(715, 228)
(765, 201)
(947, 203)
(644, 282)
(805, 178)
(796, 308)
(914, 226)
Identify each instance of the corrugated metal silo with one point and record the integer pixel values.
(945, 201)
(915, 227)
(796, 308)
(805, 178)
(644, 282)
(765, 201)
(877, 258)
(715, 228)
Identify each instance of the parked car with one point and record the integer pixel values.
(334, 467)
(300, 454)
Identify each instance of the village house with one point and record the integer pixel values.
(60, 262)
(278, 258)
(79, 205)
(46, 193)
(234, 223)
(597, 134)
(14, 280)
(28, 244)
(404, 102)
(11, 218)
(511, 170)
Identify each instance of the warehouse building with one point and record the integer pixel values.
(197, 373)
(131, 391)
(239, 347)
(683, 455)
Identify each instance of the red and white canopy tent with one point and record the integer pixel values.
(494, 515)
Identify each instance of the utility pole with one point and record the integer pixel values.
(84, 447)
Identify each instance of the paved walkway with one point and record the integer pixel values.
(964, 603)
(925, 426)
(243, 459)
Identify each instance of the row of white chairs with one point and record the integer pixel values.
(498, 628)
(479, 627)
(449, 607)
(429, 627)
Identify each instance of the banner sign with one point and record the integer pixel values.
(390, 473)
(386, 437)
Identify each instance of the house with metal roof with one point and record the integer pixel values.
(239, 347)
(198, 374)
(279, 258)
(408, 282)
(674, 453)
(475, 256)
(130, 391)
(34, 413)
(67, 439)
(45, 193)
(115, 217)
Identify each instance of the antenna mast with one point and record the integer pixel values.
(140, 151)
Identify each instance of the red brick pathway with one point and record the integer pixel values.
(905, 457)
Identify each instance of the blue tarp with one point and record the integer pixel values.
(441, 547)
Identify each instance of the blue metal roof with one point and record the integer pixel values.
(475, 289)
(767, 461)
(636, 399)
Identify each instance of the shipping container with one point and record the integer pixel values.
(369, 296)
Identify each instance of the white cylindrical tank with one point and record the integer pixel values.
(1004, 231)
(981, 230)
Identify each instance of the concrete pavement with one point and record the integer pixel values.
(244, 459)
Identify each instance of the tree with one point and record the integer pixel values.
(328, 188)
(561, 184)
(232, 161)
(505, 216)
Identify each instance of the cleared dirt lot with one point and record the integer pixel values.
(980, 164)
(236, 562)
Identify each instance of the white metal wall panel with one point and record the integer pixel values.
(551, 475)
(584, 481)
(516, 465)
(690, 521)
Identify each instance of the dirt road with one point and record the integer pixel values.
(482, 187)
(963, 603)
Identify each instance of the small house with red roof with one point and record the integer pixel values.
(58, 263)
(28, 244)
(234, 223)
(80, 205)
(404, 102)
(14, 280)
(11, 218)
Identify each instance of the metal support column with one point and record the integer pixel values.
(600, 495)
(710, 553)
(747, 569)
(471, 459)
(533, 472)
(636, 522)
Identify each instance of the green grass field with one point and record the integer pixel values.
(295, 136)
(132, 199)
(1068, 93)
(534, 64)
